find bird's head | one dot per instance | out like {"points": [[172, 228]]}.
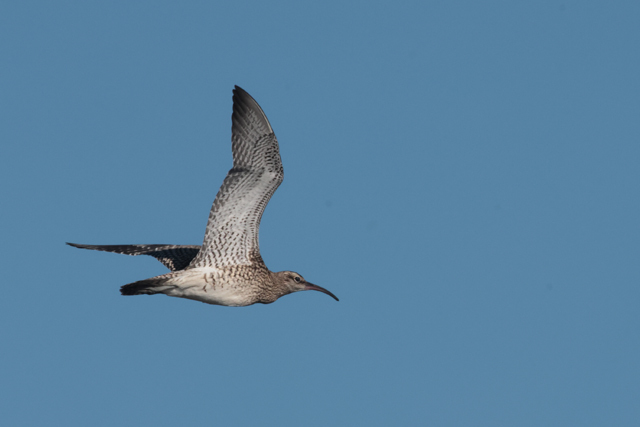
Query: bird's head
{"points": [[290, 281]]}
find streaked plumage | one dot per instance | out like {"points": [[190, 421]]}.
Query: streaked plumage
{"points": [[227, 269]]}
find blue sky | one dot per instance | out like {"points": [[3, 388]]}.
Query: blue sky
{"points": [[464, 176]]}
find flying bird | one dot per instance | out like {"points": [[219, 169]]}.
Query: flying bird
{"points": [[227, 269]]}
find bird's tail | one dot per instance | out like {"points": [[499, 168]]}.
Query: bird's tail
{"points": [[155, 285]]}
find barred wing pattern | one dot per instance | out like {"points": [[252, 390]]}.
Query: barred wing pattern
{"points": [[174, 257], [231, 237]]}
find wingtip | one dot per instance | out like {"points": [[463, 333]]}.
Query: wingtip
{"points": [[238, 92], [243, 102], [81, 246]]}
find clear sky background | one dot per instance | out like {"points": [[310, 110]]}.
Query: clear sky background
{"points": [[463, 175]]}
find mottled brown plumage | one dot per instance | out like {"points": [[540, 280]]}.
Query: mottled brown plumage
{"points": [[228, 269]]}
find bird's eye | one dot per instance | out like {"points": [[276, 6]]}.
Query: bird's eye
{"points": [[297, 279]]}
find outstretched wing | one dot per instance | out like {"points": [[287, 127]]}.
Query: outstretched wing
{"points": [[174, 257], [232, 231]]}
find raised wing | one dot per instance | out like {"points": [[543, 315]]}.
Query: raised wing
{"points": [[232, 231], [174, 257]]}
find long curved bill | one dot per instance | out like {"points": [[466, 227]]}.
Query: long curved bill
{"points": [[311, 287]]}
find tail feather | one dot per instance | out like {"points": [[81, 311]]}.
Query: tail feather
{"points": [[152, 286]]}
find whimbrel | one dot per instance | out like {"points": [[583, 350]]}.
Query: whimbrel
{"points": [[228, 269]]}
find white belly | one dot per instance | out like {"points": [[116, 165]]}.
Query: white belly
{"points": [[208, 285]]}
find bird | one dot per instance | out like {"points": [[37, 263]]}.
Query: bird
{"points": [[227, 269]]}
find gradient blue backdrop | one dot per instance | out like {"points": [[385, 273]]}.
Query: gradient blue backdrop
{"points": [[464, 175]]}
